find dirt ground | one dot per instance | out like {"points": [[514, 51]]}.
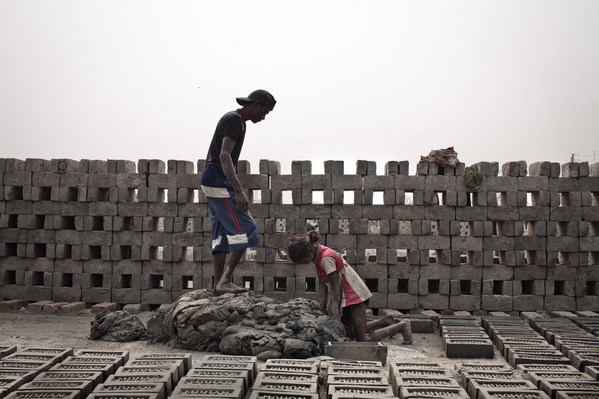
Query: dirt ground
{"points": [[28, 330]]}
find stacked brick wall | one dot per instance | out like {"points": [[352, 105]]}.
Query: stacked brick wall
{"points": [[126, 232]]}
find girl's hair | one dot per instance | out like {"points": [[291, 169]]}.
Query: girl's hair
{"points": [[299, 245]]}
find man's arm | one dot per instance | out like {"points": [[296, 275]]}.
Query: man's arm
{"points": [[226, 163]]}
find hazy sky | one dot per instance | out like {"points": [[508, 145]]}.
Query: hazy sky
{"points": [[354, 80]]}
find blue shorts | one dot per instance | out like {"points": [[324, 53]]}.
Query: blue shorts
{"points": [[232, 230]]}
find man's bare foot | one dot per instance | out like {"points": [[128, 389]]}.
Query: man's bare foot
{"points": [[228, 288]]}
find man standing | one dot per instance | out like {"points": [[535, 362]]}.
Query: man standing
{"points": [[233, 229]]}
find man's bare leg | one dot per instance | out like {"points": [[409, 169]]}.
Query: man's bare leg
{"points": [[225, 283], [219, 265]]}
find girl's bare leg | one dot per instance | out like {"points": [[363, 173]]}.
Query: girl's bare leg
{"points": [[358, 319], [381, 322]]}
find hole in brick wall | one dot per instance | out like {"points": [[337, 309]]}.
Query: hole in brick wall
{"points": [[348, 197], [464, 257], [280, 283], [531, 257], [310, 284], [465, 287], [496, 227], [287, 197], [527, 287], [95, 252], [535, 198], [466, 228], [562, 228], [39, 221], [317, 197], [45, 193], [66, 280], [132, 195], [374, 227], [434, 228], [281, 225], [187, 254], [370, 255], [103, 194], [558, 287], [402, 256], [126, 280], [342, 252], [409, 198], [125, 251], [37, 279], [591, 288], [594, 198], [561, 258], [248, 282], [564, 199], [72, 193], [13, 221], [594, 258], [439, 198], [372, 284], [158, 223], [528, 199], [432, 256], [97, 280], [188, 222], [98, 223], [156, 253], [68, 222], [496, 258], [440, 170], [15, 193], [433, 286], [68, 251], [39, 250], [251, 255], [195, 196], [10, 249], [255, 196], [281, 255], [164, 196], [311, 224], [469, 199], [501, 199], [402, 286], [187, 282], [156, 281], [529, 228], [497, 287], [10, 277], [343, 226], [378, 198], [127, 223]]}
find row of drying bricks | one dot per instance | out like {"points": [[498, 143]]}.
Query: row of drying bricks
{"points": [[40, 373]]}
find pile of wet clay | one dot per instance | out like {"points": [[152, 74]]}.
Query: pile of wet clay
{"points": [[245, 324]]}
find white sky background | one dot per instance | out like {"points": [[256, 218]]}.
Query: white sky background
{"points": [[354, 80]]}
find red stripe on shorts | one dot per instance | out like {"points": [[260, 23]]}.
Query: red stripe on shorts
{"points": [[233, 216]]}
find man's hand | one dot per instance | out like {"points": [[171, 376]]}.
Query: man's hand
{"points": [[242, 201]]}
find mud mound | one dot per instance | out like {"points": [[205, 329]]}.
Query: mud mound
{"points": [[245, 324]]}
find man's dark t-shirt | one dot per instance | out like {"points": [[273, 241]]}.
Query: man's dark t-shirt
{"points": [[230, 125]]}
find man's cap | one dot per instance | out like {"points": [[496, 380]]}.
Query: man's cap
{"points": [[261, 96]]}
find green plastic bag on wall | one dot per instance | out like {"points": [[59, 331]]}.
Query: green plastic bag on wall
{"points": [[473, 178]]}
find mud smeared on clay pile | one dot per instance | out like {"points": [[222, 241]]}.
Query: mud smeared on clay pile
{"points": [[117, 326], [245, 324]]}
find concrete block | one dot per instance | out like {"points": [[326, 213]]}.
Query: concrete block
{"points": [[357, 350], [432, 392], [469, 348], [45, 394]]}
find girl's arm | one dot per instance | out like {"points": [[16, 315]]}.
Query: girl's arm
{"points": [[323, 294], [333, 280]]}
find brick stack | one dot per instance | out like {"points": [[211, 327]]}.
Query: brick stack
{"points": [[116, 231]]}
